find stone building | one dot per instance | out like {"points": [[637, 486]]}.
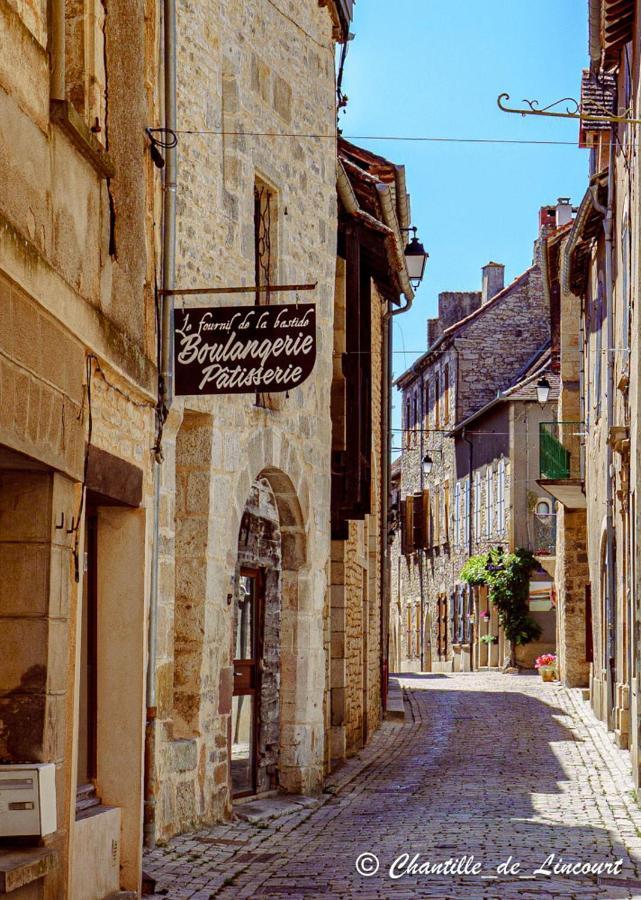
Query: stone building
{"points": [[371, 277], [459, 375], [272, 556], [595, 275], [498, 451], [77, 429]]}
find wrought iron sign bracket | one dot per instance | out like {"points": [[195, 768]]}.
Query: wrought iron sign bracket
{"points": [[570, 112], [263, 289]]}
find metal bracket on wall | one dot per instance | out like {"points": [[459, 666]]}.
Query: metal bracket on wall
{"points": [[573, 112], [263, 289]]}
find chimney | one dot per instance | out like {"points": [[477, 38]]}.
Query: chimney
{"points": [[434, 331], [563, 211], [493, 280], [547, 217]]}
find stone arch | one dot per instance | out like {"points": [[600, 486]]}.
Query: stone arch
{"points": [[302, 584]]}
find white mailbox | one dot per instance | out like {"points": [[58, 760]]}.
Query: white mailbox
{"points": [[27, 799]]}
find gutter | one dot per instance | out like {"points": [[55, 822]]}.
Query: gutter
{"points": [[594, 31]]}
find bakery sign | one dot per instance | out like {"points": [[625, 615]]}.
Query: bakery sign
{"points": [[243, 349]]}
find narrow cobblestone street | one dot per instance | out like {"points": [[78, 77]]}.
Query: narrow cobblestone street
{"points": [[486, 765]]}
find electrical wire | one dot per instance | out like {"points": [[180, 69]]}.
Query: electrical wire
{"points": [[372, 137]]}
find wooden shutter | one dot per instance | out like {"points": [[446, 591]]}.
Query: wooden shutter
{"points": [[436, 518], [446, 488], [408, 523], [419, 521], [403, 506]]}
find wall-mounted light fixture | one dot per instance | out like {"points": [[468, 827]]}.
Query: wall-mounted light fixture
{"points": [[543, 390], [416, 257]]}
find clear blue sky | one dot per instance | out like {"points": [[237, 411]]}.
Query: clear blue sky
{"points": [[428, 67]]}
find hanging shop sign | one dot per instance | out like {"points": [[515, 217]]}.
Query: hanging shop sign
{"points": [[243, 349]]}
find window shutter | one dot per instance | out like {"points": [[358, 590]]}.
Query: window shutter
{"points": [[409, 523], [403, 528], [435, 537], [419, 522]]}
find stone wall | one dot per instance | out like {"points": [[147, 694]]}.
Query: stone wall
{"points": [[356, 588], [244, 67], [77, 367]]}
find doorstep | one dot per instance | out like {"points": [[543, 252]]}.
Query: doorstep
{"points": [[257, 811], [20, 866]]}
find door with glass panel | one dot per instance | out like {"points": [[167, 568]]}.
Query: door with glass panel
{"points": [[248, 625]]}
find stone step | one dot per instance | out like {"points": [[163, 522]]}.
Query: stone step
{"points": [[257, 811], [395, 707]]}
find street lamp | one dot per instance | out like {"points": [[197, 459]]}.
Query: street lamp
{"points": [[542, 390], [415, 259], [427, 464]]}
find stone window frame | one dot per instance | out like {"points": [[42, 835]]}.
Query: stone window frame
{"points": [[86, 63], [500, 498], [489, 501], [446, 394], [467, 509], [457, 514], [477, 505]]}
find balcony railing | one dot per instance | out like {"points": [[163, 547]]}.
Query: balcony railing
{"points": [[560, 451]]}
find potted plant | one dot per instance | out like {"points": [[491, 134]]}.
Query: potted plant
{"points": [[546, 666], [488, 639], [485, 615]]}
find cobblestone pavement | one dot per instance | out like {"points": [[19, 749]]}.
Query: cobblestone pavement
{"points": [[488, 766]]}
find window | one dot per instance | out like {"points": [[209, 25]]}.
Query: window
{"points": [[489, 502], [446, 395], [264, 237], [265, 256], [467, 511], [446, 512], [457, 514], [543, 507], [477, 505], [500, 524], [598, 326], [408, 421], [415, 420], [85, 73], [437, 403]]}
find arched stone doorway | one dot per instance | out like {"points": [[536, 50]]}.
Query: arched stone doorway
{"points": [[269, 641]]}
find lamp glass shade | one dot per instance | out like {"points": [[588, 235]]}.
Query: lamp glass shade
{"points": [[428, 464], [542, 390], [415, 259]]}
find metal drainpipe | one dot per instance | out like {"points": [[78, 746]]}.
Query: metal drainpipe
{"points": [[387, 445], [386, 381], [610, 604], [165, 398], [421, 556]]}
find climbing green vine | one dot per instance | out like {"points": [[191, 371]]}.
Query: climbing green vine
{"points": [[507, 577]]}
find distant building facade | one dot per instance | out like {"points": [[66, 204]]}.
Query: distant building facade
{"points": [[466, 486]]}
